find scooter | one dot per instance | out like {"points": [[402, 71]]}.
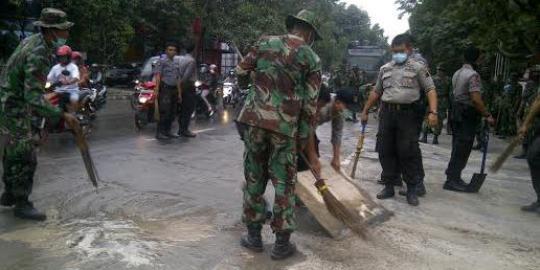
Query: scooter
{"points": [[143, 103]]}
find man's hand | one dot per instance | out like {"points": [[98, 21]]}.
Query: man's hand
{"points": [[71, 121], [490, 120], [433, 120], [364, 117], [336, 164]]}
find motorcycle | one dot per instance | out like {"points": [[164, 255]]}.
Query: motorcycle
{"points": [[43, 126], [143, 103], [97, 95], [229, 94]]}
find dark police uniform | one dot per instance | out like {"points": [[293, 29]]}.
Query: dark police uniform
{"points": [[169, 69], [465, 119], [400, 88]]}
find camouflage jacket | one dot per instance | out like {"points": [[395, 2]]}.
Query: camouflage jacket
{"points": [[286, 76], [22, 85], [442, 85]]}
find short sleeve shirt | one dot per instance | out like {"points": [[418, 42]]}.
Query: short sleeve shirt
{"points": [[68, 72], [169, 69], [401, 84], [464, 82]]}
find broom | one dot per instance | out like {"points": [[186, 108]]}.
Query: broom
{"points": [[334, 206]]}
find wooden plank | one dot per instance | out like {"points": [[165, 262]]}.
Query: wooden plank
{"points": [[342, 187]]}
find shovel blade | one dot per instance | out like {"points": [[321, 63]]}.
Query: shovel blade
{"points": [[476, 182]]}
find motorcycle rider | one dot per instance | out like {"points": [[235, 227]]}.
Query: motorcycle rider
{"points": [[84, 73], [22, 84], [65, 77], [207, 76]]}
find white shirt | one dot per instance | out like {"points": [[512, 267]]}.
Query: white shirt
{"points": [[55, 75]]}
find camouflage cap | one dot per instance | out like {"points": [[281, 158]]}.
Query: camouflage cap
{"points": [[53, 18], [305, 16]]}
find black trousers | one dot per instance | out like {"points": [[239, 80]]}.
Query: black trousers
{"points": [[399, 152], [168, 106], [187, 107], [465, 122], [533, 158]]}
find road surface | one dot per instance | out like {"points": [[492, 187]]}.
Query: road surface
{"points": [[177, 205]]}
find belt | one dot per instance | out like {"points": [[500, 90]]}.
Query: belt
{"points": [[398, 107]]}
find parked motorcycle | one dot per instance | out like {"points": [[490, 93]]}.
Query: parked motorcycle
{"points": [[143, 103]]}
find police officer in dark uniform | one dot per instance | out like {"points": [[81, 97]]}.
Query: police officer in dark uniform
{"points": [[467, 111], [399, 86], [167, 74]]}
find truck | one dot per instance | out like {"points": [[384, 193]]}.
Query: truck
{"points": [[367, 58]]}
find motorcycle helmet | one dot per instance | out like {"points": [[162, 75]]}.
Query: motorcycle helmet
{"points": [[76, 56], [64, 51], [63, 54]]}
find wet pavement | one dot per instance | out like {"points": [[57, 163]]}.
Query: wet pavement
{"points": [[176, 205]]}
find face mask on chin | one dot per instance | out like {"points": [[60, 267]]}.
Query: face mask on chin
{"points": [[58, 41]]}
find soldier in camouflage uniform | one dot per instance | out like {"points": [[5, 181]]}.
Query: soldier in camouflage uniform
{"points": [[355, 80], [442, 84], [529, 95], [279, 115], [21, 95], [531, 129]]}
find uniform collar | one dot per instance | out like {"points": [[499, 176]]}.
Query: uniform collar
{"points": [[468, 66]]}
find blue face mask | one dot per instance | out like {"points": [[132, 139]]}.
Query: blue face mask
{"points": [[58, 41], [399, 58]]}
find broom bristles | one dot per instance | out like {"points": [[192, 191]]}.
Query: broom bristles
{"points": [[341, 212]]}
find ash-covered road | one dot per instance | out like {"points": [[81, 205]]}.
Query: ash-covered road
{"points": [[176, 205]]}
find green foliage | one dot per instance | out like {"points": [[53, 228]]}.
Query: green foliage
{"points": [[111, 30], [442, 28]]}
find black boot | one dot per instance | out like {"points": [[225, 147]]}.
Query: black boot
{"points": [[283, 248], [25, 210], [533, 207], [253, 239], [387, 192], [424, 138], [161, 136], [412, 197], [420, 190], [455, 185], [7, 199], [435, 139]]}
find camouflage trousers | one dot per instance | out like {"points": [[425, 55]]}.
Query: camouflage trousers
{"points": [[19, 164], [269, 155], [426, 129]]}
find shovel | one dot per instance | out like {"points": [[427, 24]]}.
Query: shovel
{"points": [[478, 178], [359, 147]]}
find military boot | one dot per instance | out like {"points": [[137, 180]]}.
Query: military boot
{"points": [[253, 239], [435, 139], [7, 199], [412, 197], [387, 192], [424, 138], [283, 248], [25, 210], [533, 207]]}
